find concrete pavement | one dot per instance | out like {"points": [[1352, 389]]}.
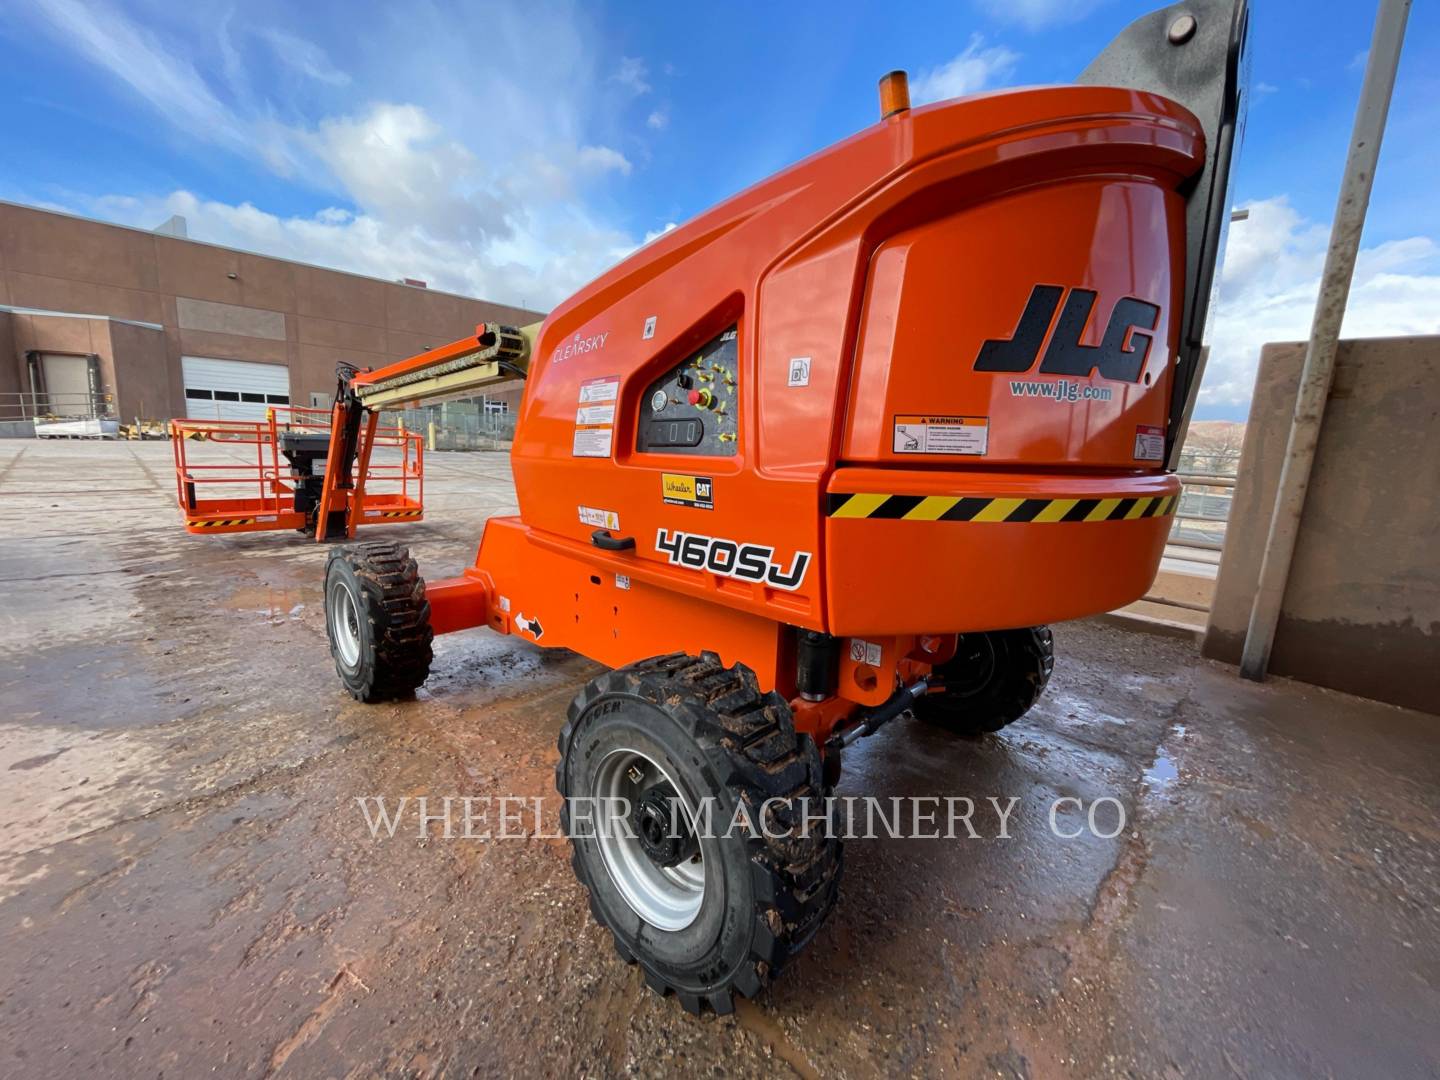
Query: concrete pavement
{"points": [[187, 885]]}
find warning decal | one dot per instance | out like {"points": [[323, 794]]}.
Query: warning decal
{"points": [[1149, 443], [595, 417], [599, 519], [592, 442], [605, 388], [865, 652], [941, 434]]}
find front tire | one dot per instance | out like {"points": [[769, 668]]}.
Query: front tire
{"points": [[377, 620], [994, 679], [705, 909]]}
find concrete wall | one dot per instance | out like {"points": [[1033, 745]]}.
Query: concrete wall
{"points": [[218, 302], [1362, 608]]}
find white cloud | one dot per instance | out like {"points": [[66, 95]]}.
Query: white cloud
{"points": [[1271, 278], [599, 159], [535, 266], [1039, 14], [632, 75], [655, 234], [397, 164], [138, 58], [231, 65], [658, 120], [305, 57], [480, 190], [973, 70]]}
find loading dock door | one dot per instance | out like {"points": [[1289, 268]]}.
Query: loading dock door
{"points": [[232, 389], [67, 385]]}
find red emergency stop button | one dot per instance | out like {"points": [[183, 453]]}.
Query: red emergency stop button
{"points": [[702, 399]]}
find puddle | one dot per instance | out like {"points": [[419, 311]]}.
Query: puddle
{"points": [[476, 668], [1161, 773], [272, 605], [261, 597], [1084, 713]]}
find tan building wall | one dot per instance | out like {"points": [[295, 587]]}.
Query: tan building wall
{"points": [[131, 358], [9, 373], [507, 392], [1362, 607], [140, 366], [208, 301]]}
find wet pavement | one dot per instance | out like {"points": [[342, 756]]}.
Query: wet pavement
{"points": [[187, 885]]}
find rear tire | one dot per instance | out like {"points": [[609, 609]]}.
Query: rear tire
{"points": [[725, 912], [994, 679], [377, 620]]}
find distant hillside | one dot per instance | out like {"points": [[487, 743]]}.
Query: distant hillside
{"points": [[1213, 446]]}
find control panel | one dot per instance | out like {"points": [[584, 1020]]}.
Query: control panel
{"points": [[694, 408]]}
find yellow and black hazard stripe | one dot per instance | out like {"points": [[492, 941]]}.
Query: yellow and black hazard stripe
{"points": [[222, 522], [969, 508], [399, 513]]}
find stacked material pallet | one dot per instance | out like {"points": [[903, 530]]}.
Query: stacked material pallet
{"points": [[69, 428]]}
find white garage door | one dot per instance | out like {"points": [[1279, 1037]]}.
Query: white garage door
{"points": [[232, 389]]}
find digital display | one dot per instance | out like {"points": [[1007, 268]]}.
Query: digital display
{"points": [[666, 433]]}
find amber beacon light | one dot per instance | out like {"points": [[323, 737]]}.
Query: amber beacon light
{"points": [[894, 93]]}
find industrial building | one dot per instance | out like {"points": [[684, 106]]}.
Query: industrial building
{"points": [[137, 324]]}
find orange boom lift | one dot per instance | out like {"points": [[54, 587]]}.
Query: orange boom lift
{"points": [[326, 485], [834, 451]]}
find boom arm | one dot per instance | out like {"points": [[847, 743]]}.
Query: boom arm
{"points": [[493, 353]]}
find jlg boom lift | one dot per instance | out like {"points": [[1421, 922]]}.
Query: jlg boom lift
{"points": [[835, 450], [326, 486]]}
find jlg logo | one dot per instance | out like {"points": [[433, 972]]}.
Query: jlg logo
{"points": [[1120, 356], [748, 562]]}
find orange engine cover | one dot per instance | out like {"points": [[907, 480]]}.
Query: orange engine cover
{"points": [[916, 383]]}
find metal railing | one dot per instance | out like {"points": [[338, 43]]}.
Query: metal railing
{"points": [[1203, 511], [1207, 476], [24, 405], [238, 465]]}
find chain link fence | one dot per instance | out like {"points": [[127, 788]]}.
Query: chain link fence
{"points": [[456, 425]]}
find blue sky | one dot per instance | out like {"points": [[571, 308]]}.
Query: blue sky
{"points": [[514, 150]]}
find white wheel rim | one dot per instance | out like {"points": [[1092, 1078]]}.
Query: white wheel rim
{"points": [[668, 898], [345, 624]]}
